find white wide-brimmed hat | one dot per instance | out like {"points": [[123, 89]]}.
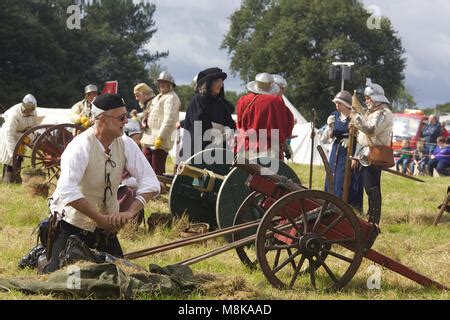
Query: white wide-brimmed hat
{"points": [[263, 84]]}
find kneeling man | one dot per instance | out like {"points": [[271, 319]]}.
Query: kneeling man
{"points": [[92, 165]]}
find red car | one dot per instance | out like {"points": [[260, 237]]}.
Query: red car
{"points": [[407, 125]]}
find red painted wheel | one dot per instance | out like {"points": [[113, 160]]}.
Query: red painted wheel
{"points": [[22, 150], [48, 148], [318, 242]]}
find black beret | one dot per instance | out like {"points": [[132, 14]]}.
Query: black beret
{"points": [[108, 101], [210, 74]]}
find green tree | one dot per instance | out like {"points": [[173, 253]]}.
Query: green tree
{"points": [[42, 56], [120, 31], [404, 100], [299, 39], [185, 93]]}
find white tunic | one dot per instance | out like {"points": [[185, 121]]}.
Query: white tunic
{"points": [[75, 162], [162, 118], [15, 125]]}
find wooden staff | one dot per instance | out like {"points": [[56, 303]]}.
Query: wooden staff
{"points": [[348, 162], [352, 131], [313, 134]]}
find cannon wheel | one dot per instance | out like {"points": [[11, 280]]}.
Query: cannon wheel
{"points": [[185, 199], [234, 191], [48, 148], [313, 226], [250, 210], [34, 133]]}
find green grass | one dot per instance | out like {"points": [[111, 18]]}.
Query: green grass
{"points": [[408, 236]]}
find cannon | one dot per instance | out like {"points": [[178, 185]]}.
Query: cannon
{"points": [[300, 238], [208, 189], [47, 143]]}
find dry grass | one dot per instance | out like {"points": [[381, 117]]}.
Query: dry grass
{"points": [[408, 236]]}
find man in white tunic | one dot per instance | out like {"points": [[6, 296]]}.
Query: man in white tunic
{"points": [[85, 199], [19, 119], [163, 115]]}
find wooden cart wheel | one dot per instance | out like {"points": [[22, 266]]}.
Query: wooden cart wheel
{"points": [[48, 148], [27, 139], [250, 210], [314, 227]]}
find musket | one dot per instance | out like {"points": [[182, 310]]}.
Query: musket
{"points": [[396, 172]]}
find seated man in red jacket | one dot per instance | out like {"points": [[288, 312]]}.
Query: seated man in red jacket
{"points": [[263, 120]]}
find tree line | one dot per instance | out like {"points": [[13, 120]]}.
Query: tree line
{"points": [[298, 39], [40, 55]]}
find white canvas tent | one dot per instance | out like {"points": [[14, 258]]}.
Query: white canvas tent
{"points": [[301, 145]]}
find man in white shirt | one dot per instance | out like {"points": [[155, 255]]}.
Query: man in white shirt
{"points": [[85, 199], [20, 118]]}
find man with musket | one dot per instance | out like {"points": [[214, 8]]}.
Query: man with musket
{"points": [[19, 119], [375, 129], [85, 199], [81, 111]]}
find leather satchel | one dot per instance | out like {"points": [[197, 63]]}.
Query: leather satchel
{"points": [[381, 156]]}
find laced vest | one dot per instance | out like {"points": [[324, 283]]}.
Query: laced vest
{"points": [[100, 182]]}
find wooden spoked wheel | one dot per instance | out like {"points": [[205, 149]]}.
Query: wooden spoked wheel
{"points": [[48, 148], [318, 242], [22, 150], [250, 210]]}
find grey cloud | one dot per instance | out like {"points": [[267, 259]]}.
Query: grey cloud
{"points": [[193, 30]]}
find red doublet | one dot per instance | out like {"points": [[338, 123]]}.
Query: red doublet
{"points": [[266, 112]]}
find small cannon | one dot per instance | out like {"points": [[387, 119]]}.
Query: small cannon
{"points": [[208, 189], [300, 237]]}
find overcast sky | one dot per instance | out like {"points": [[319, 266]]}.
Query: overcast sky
{"points": [[192, 31]]}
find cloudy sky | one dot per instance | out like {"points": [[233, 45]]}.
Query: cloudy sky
{"points": [[192, 31]]}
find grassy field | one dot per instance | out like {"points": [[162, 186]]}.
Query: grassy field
{"points": [[408, 236]]}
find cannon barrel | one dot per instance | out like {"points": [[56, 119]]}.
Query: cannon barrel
{"points": [[187, 170], [256, 169]]}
